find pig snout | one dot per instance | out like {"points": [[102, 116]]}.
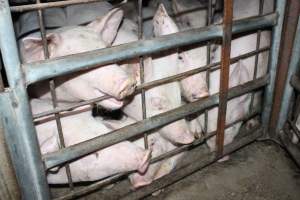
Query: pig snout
{"points": [[111, 104], [178, 133], [194, 88], [126, 88]]}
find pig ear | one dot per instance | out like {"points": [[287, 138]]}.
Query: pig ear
{"points": [[239, 75], [162, 22], [33, 46], [108, 25], [31, 42]]}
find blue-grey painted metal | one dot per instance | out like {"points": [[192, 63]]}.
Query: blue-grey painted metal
{"points": [[53, 67], [288, 90], [17, 118], [273, 62]]}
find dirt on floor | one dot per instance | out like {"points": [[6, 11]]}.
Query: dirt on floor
{"points": [[260, 171]]}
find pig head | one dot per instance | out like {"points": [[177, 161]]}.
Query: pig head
{"points": [[162, 98], [109, 79]]}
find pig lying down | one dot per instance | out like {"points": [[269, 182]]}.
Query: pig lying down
{"points": [[110, 79], [159, 146], [122, 157]]}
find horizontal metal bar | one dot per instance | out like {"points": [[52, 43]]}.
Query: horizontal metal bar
{"points": [[148, 85], [75, 151], [112, 179], [42, 70], [295, 82], [38, 6], [198, 162]]}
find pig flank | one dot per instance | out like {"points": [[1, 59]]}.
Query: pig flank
{"points": [[122, 157], [110, 79]]}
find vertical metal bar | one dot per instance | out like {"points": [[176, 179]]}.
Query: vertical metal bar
{"points": [[53, 93], [20, 132], [288, 90], [8, 183], [273, 62], [283, 91], [224, 75], [208, 61], [260, 12], [141, 60]]}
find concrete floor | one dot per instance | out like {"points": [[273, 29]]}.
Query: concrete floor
{"points": [[260, 171]]}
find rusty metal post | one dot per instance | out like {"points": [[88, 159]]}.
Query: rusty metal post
{"points": [[290, 26], [224, 75]]}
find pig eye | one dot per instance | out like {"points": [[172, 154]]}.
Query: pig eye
{"points": [[180, 57]]}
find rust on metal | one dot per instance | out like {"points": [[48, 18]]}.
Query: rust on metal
{"points": [[224, 75], [289, 31]]}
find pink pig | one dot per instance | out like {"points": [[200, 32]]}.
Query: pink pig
{"points": [[162, 98], [159, 146], [122, 157], [110, 79]]}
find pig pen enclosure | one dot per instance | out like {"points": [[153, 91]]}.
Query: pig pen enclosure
{"points": [[164, 79]]}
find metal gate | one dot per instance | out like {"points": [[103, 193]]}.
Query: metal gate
{"points": [[17, 118]]}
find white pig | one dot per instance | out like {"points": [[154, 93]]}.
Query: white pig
{"points": [[237, 107], [159, 146], [122, 157], [162, 98], [189, 12], [239, 46], [110, 79]]}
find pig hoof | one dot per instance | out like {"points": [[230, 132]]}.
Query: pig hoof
{"points": [[156, 193], [225, 158], [127, 88], [251, 124], [145, 162], [198, 135], [196, 131]]}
